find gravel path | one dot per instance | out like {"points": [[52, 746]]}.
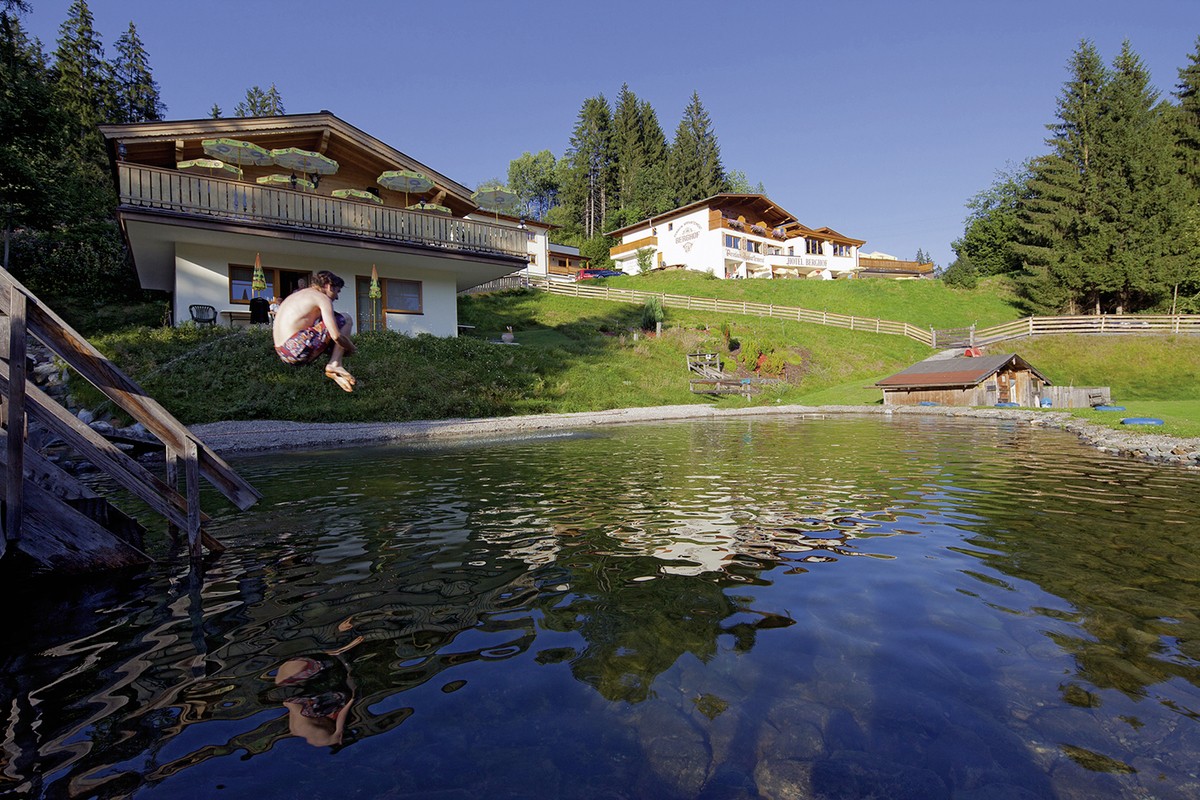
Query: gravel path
{"points": [[256, 436]]}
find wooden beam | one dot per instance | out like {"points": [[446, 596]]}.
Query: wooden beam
{"points": [[191, 470], [132, 398], [172, 475], [15, 446]]}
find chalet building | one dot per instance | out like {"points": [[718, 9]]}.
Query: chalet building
{"points": [[882, 265], [967, 381], [737, 236], [195, 230]]}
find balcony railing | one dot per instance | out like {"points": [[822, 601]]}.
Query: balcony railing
{"points": [[169, 190]]}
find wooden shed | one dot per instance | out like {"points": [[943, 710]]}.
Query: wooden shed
{"points": [[966, 381]]}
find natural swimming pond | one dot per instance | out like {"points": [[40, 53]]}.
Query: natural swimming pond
{"points": [[741, 608]]}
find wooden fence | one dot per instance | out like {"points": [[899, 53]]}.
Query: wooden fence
{"points": [[957, 337]]}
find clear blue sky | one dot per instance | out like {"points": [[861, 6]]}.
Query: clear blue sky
{"points": [[879, 118]]}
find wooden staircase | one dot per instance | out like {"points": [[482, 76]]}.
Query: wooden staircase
{"points": [[51, 518]]}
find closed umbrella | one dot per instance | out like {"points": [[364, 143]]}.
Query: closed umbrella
{"points": [[258, 281], [374, 293], [211, 166]]}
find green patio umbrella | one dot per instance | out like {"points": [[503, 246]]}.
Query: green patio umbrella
{"points": [[244, 154], [304, 161], [208, 165], [405, 180], [355, 194], [429, 207], [288, 181], [495, 199]]}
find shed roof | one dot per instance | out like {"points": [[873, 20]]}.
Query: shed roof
{"points": [[958, 371]]}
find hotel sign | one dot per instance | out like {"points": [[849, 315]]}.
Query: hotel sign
{"points": [[687, 235], [816, 262]]}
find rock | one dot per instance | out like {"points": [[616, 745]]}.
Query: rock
{"points": [[85, 416]]}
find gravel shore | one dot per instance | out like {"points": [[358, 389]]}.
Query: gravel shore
{"points": [[258, 436]]}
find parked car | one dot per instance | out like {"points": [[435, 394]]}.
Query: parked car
{"points": [[587, 274]]}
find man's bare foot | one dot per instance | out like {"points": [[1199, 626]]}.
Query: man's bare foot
{"points": [[342, 378]]}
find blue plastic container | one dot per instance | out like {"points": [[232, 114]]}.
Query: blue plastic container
{"points": [[1141, 421]]}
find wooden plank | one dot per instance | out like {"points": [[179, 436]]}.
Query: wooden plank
{"points": [[15, 446], [92, 365], [50, 476], [172, 473]]}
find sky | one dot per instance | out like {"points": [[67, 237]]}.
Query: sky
{"points": [[878, 118]]}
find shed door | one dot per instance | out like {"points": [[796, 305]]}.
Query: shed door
{"points": [[1004, 385]]}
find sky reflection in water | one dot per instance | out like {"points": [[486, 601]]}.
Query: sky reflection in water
{"points": [[738, 608]]}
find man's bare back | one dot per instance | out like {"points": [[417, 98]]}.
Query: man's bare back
{"points": [[306, 325]]}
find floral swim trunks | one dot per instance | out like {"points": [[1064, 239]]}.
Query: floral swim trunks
{"points": [[304, 346]]}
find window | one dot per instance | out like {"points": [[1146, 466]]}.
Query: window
{"points": [[280, 282], [670, 226], [813, 247], [774, 250], [841, 249], [733, 242], [753, 246], [399, 297], [533, 259], [240, 290]]}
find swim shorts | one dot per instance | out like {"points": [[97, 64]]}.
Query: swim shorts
{"points": [[304, 346]]}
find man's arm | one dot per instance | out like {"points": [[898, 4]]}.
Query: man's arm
{"points": [[335, 332]]}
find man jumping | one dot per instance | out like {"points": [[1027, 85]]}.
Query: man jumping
{"points": [[306, 325]]}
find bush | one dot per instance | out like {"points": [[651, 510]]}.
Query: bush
{"points": [[652, 314], [960, 274]]}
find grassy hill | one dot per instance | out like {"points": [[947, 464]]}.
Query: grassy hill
{"points": [[575, 354]]}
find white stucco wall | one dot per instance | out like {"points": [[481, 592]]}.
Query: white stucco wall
{"points": [[202, 276]]}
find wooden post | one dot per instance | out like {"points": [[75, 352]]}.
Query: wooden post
{"points": [[16, 416], [191, 462], [171, 457]]}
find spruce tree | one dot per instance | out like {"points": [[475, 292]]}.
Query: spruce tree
{"points": [[85, 86], [695, 169], [260, 102], [1187, 119], [137, 92], [589, 160], [650, 192], [629, 152]]}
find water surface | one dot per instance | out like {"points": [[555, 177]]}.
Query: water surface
{"points": [[849, 607]]}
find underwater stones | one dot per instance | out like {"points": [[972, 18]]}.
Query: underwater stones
{"points": [[676, 756], [783, 777], [852, 774]]}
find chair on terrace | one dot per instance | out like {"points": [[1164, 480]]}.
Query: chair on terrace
{"points": [[203, 315]]}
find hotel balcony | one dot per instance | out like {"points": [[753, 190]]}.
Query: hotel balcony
{"points": [[186, 196]]}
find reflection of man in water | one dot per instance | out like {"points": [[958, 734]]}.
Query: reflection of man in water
{"points": [[317, 694]]}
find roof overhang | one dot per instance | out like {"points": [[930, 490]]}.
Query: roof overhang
{"points": [[959, 372]]}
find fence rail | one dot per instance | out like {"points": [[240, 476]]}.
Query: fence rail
{"points": [[1029, 326]]}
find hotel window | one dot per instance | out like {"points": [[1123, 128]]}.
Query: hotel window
{"points": [[841, 249], [774, 250], [753, 246], [791, 251], [733, 242], [813, 247], [670, 226], [240, 290], [533, 259]]}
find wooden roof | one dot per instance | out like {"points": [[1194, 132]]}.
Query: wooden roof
{"points": [[958, 371], [162, 144], [894, 265]]}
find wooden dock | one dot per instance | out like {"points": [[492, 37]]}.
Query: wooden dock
{"points": [[52, 519]]}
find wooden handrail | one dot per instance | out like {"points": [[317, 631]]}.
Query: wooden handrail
{"points": [[26, 315]]}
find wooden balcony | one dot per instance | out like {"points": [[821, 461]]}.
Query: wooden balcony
{"points": [[168, 190]]}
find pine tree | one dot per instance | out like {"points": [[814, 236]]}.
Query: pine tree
{"points": [[1187, 119], [260, 103], [1137, 182], [85, 86], [215, 112], [629, 153], [137, 92], [589, 163], [695, 169]]}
